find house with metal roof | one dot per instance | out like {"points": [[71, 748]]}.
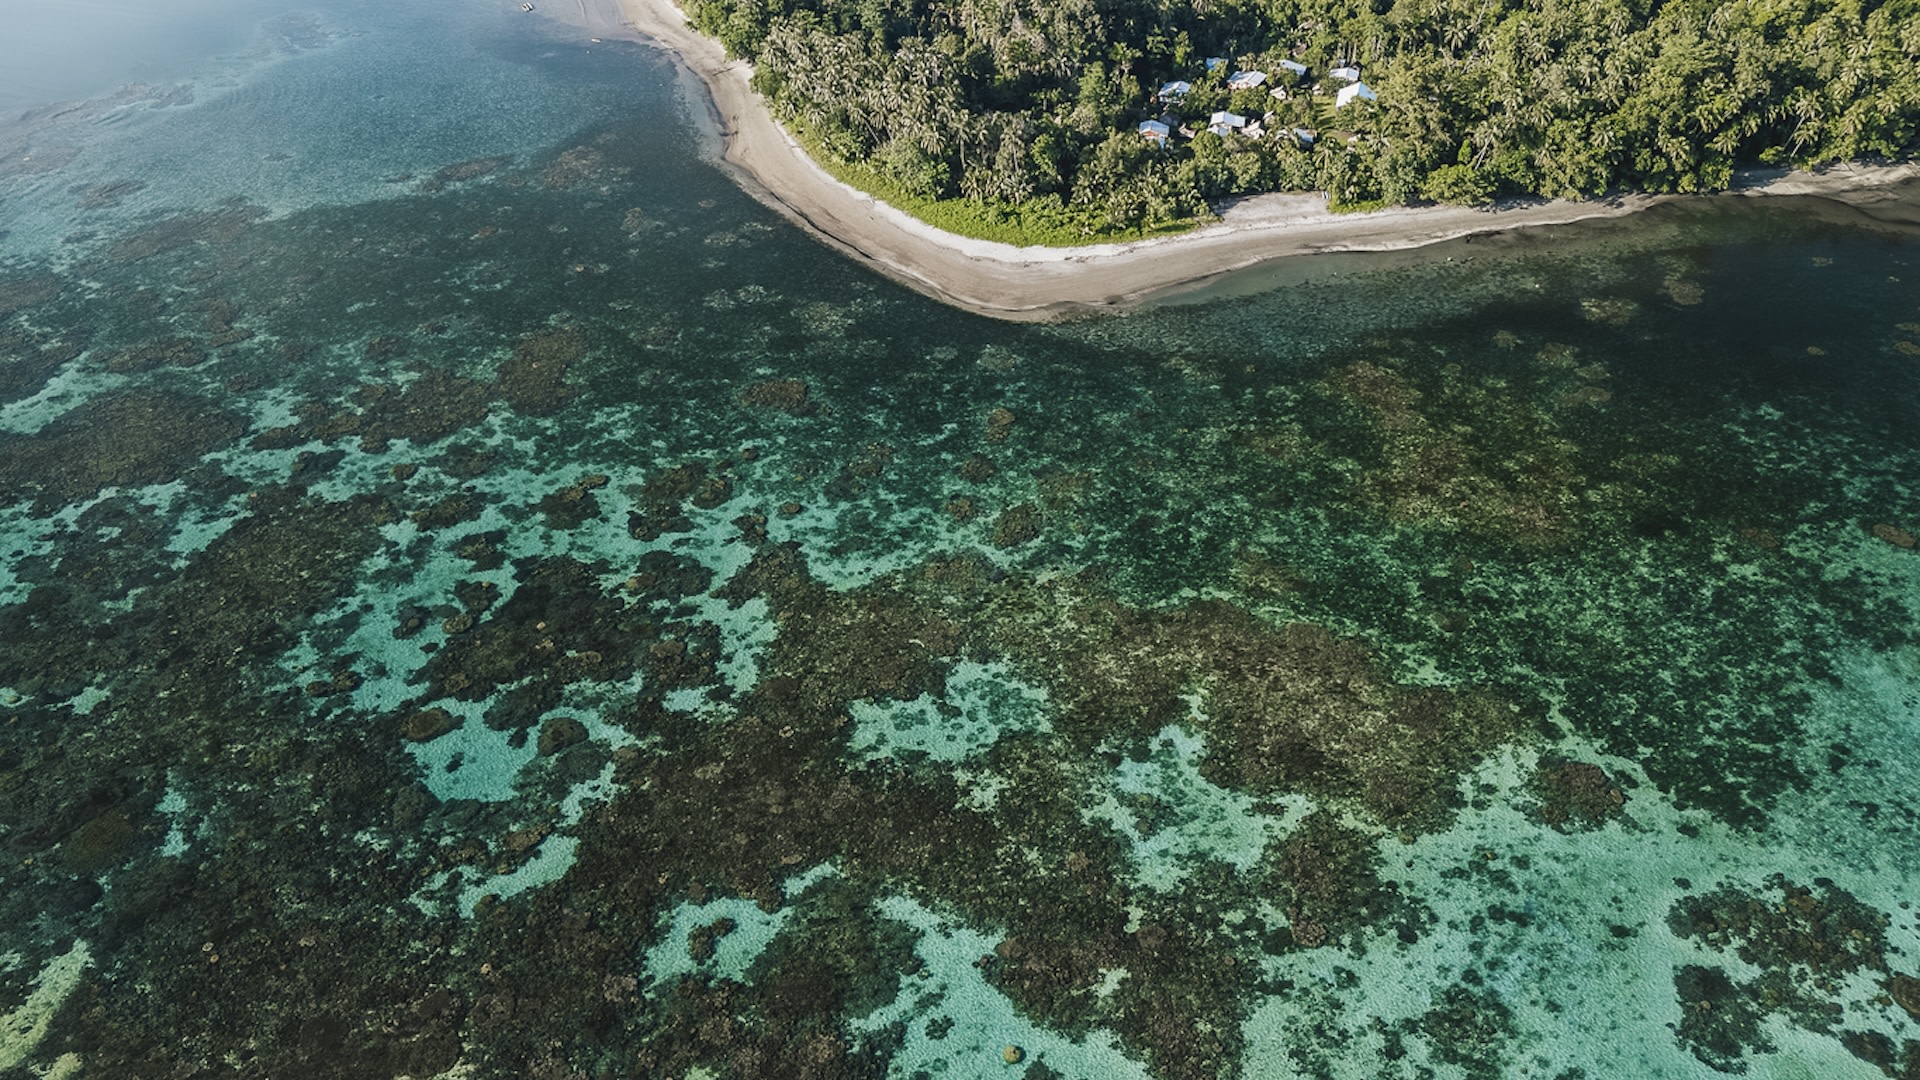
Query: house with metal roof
{"points": [[1358, 91], [1225, 123]]}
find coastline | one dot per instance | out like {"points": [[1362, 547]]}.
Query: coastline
{"points": [[1032, 284]]}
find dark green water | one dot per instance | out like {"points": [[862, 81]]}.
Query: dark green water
{"points": [[480, 596]]}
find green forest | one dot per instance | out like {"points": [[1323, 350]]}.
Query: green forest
{"points": [[1027, 112]]}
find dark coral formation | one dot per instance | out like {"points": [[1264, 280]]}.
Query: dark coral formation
{"points": [[1470, 1029], [1576, 794], [210, 227], [737, 808], [1510, 475], [1288, 708], [585, 164], [534, 379], [106, 195], [462, 171], [31, 359], [1806, 943], [840, 959], [1016, 525], [21, 291], [433, 405], [181, 670], [1895, 535], [573, 505], [1324, 875], [558, 627], [125, 439], [175, 352], [779, 395]]}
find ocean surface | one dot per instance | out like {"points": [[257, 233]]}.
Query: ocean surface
{"points": [[481, 596]]}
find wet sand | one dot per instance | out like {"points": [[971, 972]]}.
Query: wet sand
{"points": [[1037, 283]]}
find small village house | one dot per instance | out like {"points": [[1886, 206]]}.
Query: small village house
{"points": [[1349, 94], [1225, 123]]}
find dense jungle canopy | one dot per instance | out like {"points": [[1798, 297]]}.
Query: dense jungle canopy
{"points": [[1036, 103]]}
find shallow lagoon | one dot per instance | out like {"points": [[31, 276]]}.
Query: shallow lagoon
{"points": [[479, 595]]}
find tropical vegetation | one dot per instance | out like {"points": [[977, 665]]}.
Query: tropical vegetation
{"points": [[1029, 110]]}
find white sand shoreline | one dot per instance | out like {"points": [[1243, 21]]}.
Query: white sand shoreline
{"points": [[1038, 283]]}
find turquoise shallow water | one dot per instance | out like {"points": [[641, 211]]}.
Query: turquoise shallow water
{"points": [[481, 596]]}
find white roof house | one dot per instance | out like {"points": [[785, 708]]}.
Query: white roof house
{"points": [[1175, 90], [1154, 129], [1246, 80], [1293, 67], [1303, 136], [1356, 92], [1225, 123], [1215, 63], [1349, 73]]}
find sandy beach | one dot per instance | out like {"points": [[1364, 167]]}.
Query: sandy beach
{"points": [[1037, 283]]}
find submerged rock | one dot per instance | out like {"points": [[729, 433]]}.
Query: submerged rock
{"points": [[1016, 525], [534, 378], [1895, 535], [1803, 944], [779, 395], [558, 733], [462, 171], [1479, 457], [1575, 794], [426, 725], [125, 439], [21, 291]]}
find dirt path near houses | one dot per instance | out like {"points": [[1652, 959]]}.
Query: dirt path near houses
{"points": [[1037, 283]]}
